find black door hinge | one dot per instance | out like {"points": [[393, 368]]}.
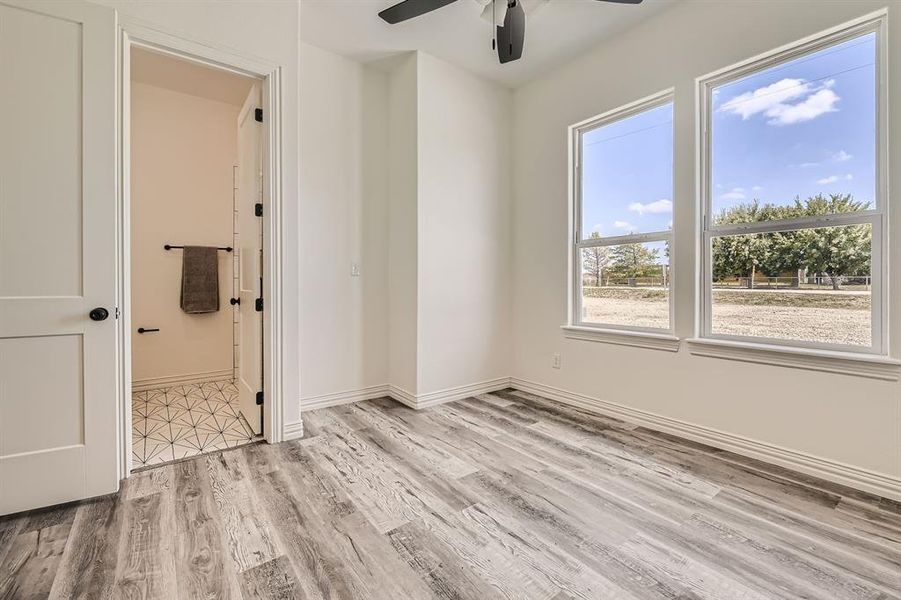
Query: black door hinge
{"points": [[258, 209], [260, 398], [258, 115], [258, 305]]}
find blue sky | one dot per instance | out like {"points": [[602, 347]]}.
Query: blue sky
{"points": [[798, 129]]}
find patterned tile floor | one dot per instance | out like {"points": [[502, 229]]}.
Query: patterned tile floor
{"points": [[186, 420]]}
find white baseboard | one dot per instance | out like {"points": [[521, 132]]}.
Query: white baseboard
{"points": [[338, 398], [873, 482], [403, 396], [292, 431], [419, 401], [173, 380]]}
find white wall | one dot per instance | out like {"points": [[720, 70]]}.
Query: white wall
{"points": [[403, 117], [846, 419], [267, 29], [183, 151], [404, 170], [464, 227], [343, 220]]}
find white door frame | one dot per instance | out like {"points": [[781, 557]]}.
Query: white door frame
{"points": [[134, 33]]}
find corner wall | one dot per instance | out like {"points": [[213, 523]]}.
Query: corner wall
{"points": [[404, 171], [403, 136], [845, 420], [464, 228], [343, 221]]}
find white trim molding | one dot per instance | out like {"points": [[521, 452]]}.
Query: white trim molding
{"points": [[173, 380], [623, 337], [414, 401], [419, 401], [348, 397], [292, 430], [881, 484], [827, 361]]}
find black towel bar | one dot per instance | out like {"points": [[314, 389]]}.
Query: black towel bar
{"points": [[144, 330], [172, 247]]}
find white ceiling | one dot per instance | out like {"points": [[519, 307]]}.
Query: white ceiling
{"points": [[187, 77], [555, 33]]}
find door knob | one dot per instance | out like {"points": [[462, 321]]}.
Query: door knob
{"points": [[99, 314]]}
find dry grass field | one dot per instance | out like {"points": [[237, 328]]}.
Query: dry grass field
{"points": [[841, 317]]}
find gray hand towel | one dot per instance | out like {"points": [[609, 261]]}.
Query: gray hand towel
{"points": [[200, 280]]}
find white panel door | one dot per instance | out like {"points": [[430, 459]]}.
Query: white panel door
{"points": [[250, 260], [58, 413]]}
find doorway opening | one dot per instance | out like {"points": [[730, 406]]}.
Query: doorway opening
{"points": [[196, 182]]}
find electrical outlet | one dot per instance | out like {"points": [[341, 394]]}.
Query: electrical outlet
{"points": [[354, 270], [556, 361]]}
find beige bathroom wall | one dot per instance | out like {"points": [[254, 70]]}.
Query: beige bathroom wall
{"points": [[183, 149]]}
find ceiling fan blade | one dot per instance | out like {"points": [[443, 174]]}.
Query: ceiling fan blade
{"points": [[511, 37], [622, 1], [409, 9]]}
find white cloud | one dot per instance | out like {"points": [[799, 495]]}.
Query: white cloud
{"points": [[734, 194], [841, 156], [820, 103], [757, 188], [834, 178], [785, 102], [763, 99], [624, 225], [663, 205]]}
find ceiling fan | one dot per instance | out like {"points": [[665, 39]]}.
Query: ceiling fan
{"points": [[508, 17]]}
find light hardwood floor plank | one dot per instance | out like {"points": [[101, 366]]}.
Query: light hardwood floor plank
{"points": [[145, 565], [203, 567], [504, 495]]}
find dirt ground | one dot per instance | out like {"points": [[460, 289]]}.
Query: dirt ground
{"points": [[828, 323]]}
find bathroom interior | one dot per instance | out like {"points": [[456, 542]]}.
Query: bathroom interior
{"points": [[195, 138]]}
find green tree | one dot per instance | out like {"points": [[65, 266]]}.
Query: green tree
{"points": [[830, 251], [634, 260], [595, 260], [837, 251]]}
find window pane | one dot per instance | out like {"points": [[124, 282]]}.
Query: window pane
{"points": [[812, 285], [797, 139], [627, 175], [626, 285]]}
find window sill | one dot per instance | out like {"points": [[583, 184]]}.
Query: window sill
{"points": [[827, 361], [640, 339]]}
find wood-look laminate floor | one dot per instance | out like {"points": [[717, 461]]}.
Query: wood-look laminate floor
{"points": [[502, 496]]}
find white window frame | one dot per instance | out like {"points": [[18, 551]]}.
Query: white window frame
{"points": [[660, 338], [877, 218]]}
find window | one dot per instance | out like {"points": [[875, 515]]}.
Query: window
{"points": [[793, 194], [623, 217]]}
